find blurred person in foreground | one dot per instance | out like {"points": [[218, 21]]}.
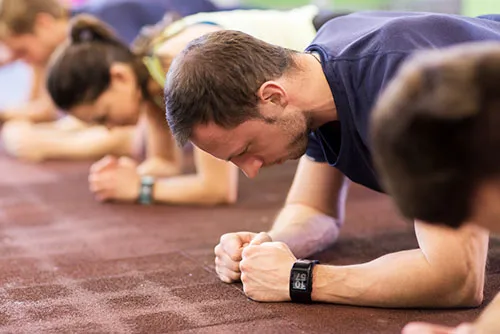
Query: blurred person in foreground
{"points": [[435, 144]]}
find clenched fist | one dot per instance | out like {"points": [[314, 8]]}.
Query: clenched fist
{"points": [[265, 271], [228, 253]]}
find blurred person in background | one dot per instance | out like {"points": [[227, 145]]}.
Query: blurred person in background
{"points": [[30, 31]]}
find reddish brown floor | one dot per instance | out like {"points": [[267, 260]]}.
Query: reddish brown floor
{"points": [[69, 264]]}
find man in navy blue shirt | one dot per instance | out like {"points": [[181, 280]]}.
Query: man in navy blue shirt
{"points": [[256, 105]]}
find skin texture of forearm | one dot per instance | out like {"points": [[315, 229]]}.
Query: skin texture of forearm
{"points": [[193, 189], [305, 230], [65, 139], [93, 142], [36, 111], [215, 182], [446, 274]]}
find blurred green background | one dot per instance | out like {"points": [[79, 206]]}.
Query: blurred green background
{"points": [[478, 7], [334, 4], [466, 7]]}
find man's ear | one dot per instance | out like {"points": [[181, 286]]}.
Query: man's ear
{"points": [[121, 73], [273, 92]]}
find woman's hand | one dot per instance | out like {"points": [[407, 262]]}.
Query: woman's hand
{"points": [[115, 179]]}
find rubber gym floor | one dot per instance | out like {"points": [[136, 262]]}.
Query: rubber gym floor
{"points": [[70, 264]]}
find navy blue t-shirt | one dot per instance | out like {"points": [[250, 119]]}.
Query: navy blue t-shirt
{"points": [[360, 53], [127, 17]]}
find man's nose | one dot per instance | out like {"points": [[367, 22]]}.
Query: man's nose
{"points": [[250, 166]]}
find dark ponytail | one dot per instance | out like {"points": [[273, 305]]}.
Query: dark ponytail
{"points": [[86, 28], [80, 70]]}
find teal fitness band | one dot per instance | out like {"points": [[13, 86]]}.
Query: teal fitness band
{"points": [[146, 191]]}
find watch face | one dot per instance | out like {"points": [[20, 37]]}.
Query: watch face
{"points": [[299, 280]]}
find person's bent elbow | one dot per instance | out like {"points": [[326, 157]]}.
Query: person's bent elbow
{"points": [[464, 286], [213, 195], [470, 291]]}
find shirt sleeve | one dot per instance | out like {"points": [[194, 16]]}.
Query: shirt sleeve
{"points": [[314, 149]]}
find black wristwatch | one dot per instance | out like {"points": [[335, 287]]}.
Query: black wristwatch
{"points": [[146, 191], [301, 277]]}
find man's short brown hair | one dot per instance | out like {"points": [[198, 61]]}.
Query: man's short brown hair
{"points": [[18, 16], [436, 131], [216, 79]]}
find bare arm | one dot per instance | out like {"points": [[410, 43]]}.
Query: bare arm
{"points": [[163, 157], [314, 209], [216, 182], [36, 142], [160, 142], [91, 143], [447, 269]]}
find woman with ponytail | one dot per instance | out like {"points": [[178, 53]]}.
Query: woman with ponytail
{"points": [[101, 81]]}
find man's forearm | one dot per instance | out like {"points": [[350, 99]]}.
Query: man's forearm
{"points": [[403, 279], [305, 230]]}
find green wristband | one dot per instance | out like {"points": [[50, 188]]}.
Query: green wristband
{"points": [[146, 191]]}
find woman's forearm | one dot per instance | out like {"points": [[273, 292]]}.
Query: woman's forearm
{"points": [[191, 189]]}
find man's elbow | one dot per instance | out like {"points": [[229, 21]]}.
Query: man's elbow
{"points": [[470, 292], [473, 286], [475, 299], [465, 288], [459, 266]]}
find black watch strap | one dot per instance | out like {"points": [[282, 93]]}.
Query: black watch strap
{"points": [[301, 277]]}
